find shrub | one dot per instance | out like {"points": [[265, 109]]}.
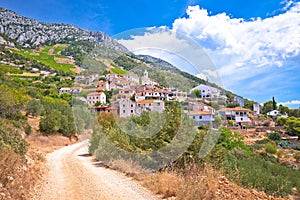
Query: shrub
{"points": [[270, 148], [263, 141], [28, 129], [274, 136], [297, 157]]}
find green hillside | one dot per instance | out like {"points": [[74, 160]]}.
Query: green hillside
{"points": [[44, 56]]}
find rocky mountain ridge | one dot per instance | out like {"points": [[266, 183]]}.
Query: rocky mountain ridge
{"points": [[30, 33]]}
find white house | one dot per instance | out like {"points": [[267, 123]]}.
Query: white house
{"points": [[64, 90], [276, 113], [237, 114], [74, 90], [153, 94], [208, 91], [95, 97], [201, 118]]}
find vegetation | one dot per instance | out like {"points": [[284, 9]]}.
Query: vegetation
{"points": [[274, 136], [47, 59], [271, 148], [292, 125], [229, 155], [118, 70], [58, 118]]}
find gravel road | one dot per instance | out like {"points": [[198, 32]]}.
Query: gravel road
{"points": [[72, 174]]}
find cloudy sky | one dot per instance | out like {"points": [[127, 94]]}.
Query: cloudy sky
{"points": [[249, 47]]}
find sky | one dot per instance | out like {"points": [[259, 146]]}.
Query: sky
{"points": [[250, 47]]}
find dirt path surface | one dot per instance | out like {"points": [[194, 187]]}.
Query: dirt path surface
{"points": [[73, 175]]}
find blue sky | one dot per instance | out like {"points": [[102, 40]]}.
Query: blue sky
{"points": [[254, 45]]}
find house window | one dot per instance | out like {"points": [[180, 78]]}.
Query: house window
{"points": [[149, 104], [131, 105], [123, 105], [237, 113], [193, 117], [158, 104], [241, 119], [200, 117], [123, 111], [131, 111]]}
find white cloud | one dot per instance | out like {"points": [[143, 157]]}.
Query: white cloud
{"points": [[244, 49], [246, 53], [175, 48], [290, 103], [293, 103], [258, 42]]}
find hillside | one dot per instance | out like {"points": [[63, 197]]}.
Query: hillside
{"points": [[38, 59]]}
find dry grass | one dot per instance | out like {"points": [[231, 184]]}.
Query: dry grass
{"points": [[164, 184], [17, 176], [193, 183], [128, 167]]}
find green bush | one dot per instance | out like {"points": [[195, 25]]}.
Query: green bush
{"points": [[274, 136], [270, 148], [28, 129], [263, 141], [11, 139]]}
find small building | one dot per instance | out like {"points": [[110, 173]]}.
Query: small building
{"points": [[126, 107], [101, 84], [146, 80], [64, 90], [150, 105], [104, 109], [74, 90], [238, 114], [126, 93], [201, 118], [207, 91], [178, 95], [96, 97], [256, 109], [239, 100]]}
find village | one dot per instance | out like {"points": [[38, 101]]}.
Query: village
{"points": [[131, 95]]}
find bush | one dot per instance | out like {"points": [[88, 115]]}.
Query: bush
{"points": [[263, 141], [274, 136], [28, 129], [270, 148], [11, 139], [297, 157]]}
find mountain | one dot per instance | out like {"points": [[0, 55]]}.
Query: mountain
{"points": [[92, 51], [28, 32]]}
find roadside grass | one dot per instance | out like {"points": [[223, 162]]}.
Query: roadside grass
{"points": [[44, 57], [118, 70]]}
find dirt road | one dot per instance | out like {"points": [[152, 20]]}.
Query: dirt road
{"points": [[73, 175]]}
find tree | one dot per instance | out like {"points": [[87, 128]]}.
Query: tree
{"points": [[267, 107], [34, 108], [196, 93], [51, 123], [293, 126], [274, 104], [283, 109]]}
